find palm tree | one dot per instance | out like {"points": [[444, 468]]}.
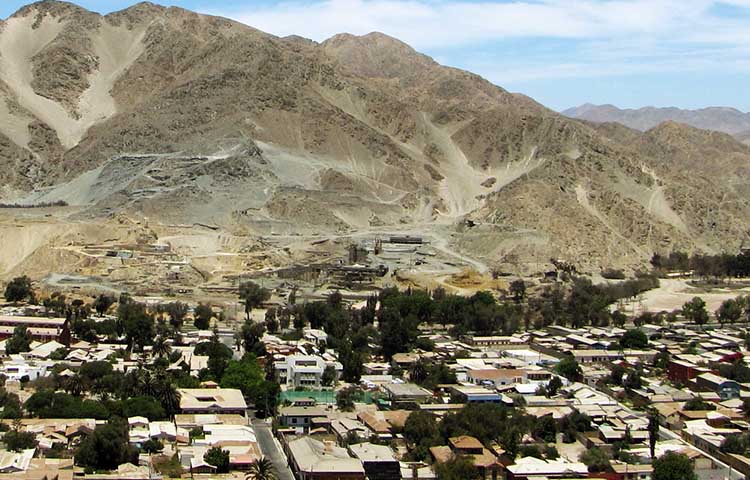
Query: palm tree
{"points": [[75, 385], [169, 397], [262, 469], [161, 348]]}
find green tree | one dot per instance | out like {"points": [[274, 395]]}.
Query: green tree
{"points": [[148, 407], [177, 312], [730, 311], [546, 429], [632, 380], [619, 318], [245, 375], [518, 290], [218, 458], [736, 444], [106, 448], [253, 295], [251, 335], [202, 316], [653, 431], [261, 469], [568, 367], [596, 459], [161, 348], [152, 446], [421, 432], [634, 338], [510, 439], [695, 311], [16, 440], [102, 303], [553, 386], [329, 376], [673, 466], [19, 342], [698, 404], [345, 398], [19, 289], [457, 468], [136, 324], [272, 324]]}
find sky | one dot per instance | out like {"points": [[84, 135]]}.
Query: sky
{"points": [[563, 53]]}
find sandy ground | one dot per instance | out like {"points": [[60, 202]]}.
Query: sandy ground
{"points": [[116, 47], [673, 294]]}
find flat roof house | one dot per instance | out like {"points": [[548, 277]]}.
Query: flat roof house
{"points": [[304, 371], [43, 329], [378, 460], [212, 400], [406, 393], [312, 459]]}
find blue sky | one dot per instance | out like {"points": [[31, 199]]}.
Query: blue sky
{"points": [[632, 53]]}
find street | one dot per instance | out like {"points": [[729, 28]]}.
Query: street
{"points": [[271, 449]]}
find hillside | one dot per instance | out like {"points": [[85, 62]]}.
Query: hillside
{"points": [[181, 118], [721, 119]]}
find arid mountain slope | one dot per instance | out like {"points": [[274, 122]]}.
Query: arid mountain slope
{"points": [[185, 118], [721, 119]]}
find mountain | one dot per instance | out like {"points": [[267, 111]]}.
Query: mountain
{"points": [[721, 119], [186, 119]]}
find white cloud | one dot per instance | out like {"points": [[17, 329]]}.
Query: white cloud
{"points": [[434, 24], [599, 37]]}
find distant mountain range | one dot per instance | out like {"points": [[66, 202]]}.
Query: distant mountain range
{"points": [[721, 119]]}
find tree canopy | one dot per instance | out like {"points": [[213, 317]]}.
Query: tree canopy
{"points": [[19, 289], [673, 466]]}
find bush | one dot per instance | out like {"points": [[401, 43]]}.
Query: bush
{"points": [[17, 440], [612, 274], [148, 407], [218, 458], [152, 446]]}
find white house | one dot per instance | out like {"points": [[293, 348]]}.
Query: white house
{"points": [[304, 371]]}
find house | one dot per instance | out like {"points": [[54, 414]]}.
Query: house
{"points": [[494, 341], [316, 336], [406, 393], [12, 462], [496, 377], [212, 400], [596, 356], [528, 468], [312, 459], [482, 458], [680, 371], [384, 423], [18, 368], [579, 341], [626, 471], [304, 371], [300, 417], [44, 350], [44, 329], [378, 461], [472, 394]]}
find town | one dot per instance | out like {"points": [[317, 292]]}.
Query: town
{"points": [[549, 378]]}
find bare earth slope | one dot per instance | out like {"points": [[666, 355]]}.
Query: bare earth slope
{"points": [[183, 118]]}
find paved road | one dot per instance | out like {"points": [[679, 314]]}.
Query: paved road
{"points": [[271, 449]]}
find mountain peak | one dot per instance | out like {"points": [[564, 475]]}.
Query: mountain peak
{"points": [[376, 55], [56, 8]]}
